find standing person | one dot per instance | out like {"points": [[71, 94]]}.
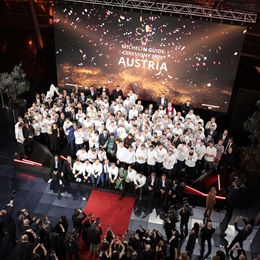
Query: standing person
{"points": [[151, 159], [140, 158], [161, 152], [210, 202], [139, 182], [211, 153], [174, 244], [233, 196], [220, 150], [67, 173], [151, 186], [242, 234], [79, 138], [185, 213], [207, 232], [20, 140], [192, 239], [94, 237], [169, 161], [77, 219]]}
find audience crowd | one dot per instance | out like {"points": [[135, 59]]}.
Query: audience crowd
{"points": [[116, 142], [27, 237]]}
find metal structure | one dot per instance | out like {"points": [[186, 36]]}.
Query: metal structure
{"points": [[176, 8]]}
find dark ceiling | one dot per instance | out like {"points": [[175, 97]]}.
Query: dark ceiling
{"points": [[19, 41]]}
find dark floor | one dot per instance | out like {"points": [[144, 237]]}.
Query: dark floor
{"points": [[34, 194]]}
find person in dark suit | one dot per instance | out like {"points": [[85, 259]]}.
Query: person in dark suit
{"points": [[92, 93], [116, 93], [77, 220], [163, 188], [162, 101], [174, 243], [233, 198], [101, 90], [66, 172], [55, 166], [242, 234], [55, 174], [186, 108], [103, 137], [206, 235], [151, 186], [185, 213], [212, 132], [224, 137]]}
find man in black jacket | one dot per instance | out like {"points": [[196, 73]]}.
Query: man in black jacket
{"points": [[116, 93], [185, 213], [242, 234], [94, 237], [151, 186], [77, 218], [206, 235], [66, 172]]}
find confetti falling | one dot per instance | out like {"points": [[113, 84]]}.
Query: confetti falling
{"points": [[197, 53]]}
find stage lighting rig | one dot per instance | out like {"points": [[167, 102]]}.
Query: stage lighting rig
{"points": [[176, 8]]}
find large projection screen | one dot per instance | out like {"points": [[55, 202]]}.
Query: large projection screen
{"points": [[187, 59]]}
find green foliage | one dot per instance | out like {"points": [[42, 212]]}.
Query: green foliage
{"points": [[252, 125], [13, 84], [251, 154]]}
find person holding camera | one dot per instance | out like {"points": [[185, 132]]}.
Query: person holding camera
{"points": [[237, 253], [94, 236], [185, 213], [77, 219]]}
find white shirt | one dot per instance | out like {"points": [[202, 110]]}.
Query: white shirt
{"points": [[139, 180], [182, 152], [177, 131], [160, 154], [87, 169], [77, 167], [191, 160], [66, 126], [113, 173], [210, 154], [132, 113], [92, 156], [131, 175], [121, 153], [200, 150], [130, 157], [169, 161], [141, 155], [151, 157], [97, 169], [19, 135], [102, 156], [82, 155], [78, 137]]}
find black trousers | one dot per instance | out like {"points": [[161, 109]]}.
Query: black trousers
{"points": [[202, 246], [184, 228]]}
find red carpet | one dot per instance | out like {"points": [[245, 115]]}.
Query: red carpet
{"points": [[110, 210]]}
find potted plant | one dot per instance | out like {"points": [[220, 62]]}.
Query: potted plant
{"points": [[12, 85]]}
